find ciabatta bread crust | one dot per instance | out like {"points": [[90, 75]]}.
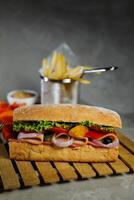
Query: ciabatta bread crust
{"points": [[87, 153], [68, 113]]}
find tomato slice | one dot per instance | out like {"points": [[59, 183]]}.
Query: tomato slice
{"points": [[58, 130], [94, 134]]}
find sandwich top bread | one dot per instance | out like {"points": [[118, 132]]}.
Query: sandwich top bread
{"points": [[68, 113], [65, 132]]}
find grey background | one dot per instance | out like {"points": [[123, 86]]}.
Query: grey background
{"points": [[99, 32]]}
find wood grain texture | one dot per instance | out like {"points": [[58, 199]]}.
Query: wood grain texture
{"points": [[102, 168], [47, 172], [85, 170], [126, 156], [126, 141], [119, 167], [66, 170], [28, 173], [8, 175]]}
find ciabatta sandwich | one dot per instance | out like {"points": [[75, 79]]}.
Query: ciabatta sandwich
{"points": [[63, 132]]}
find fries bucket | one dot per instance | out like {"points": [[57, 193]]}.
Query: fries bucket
{"points": [[55, 92]]}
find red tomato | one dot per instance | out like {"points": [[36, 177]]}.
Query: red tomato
{"points": [[58, 130], [94, 134], [6, 117], [16, 105], [3, 106], [4, 109], [7, 132]]}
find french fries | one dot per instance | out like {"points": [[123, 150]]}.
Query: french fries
{"points": [[57, 68]]}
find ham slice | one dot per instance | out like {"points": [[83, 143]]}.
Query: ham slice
{"points": [[113, 136], [38, 138], [113, 144], [98, 142], [32, 138]]}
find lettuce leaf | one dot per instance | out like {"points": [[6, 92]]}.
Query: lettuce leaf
{"points": [[96, 126], [41, 126], [37, 126]]}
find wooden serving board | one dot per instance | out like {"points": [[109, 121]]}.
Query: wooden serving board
{"points": [[22, 174]]}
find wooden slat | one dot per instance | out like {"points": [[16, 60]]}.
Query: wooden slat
{"points": [[28, 174], [119, 166], [102, 168], [8, 175], [85, 170], [66, 170], [48, 172], [1, 188], [126, 156], [126, 141]]}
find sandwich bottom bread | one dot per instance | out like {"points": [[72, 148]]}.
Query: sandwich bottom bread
{"points": [[75, 133], [87, 153]]}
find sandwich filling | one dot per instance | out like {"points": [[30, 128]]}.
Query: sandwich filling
{"points": [[65, 134]]}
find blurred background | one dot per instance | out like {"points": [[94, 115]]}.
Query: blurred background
{"points": [[99, 32]]}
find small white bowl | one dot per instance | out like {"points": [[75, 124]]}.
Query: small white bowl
{"points": [[28, 100]]}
